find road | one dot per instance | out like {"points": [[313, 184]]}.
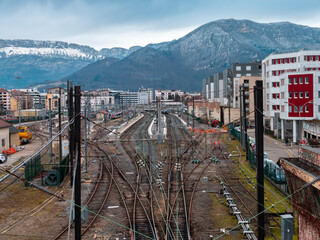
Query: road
{"points": [[275, 148]]}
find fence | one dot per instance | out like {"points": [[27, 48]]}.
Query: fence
{"points": [[33, 168], [51, 174], [272, 171]]}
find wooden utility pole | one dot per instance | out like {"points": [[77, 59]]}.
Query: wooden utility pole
{"points": [[77, 189], [258, 103]]}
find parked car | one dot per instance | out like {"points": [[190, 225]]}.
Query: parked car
{"points": [[3, 158]]}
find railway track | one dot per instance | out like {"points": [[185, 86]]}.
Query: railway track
{"points": [[161, 209]]}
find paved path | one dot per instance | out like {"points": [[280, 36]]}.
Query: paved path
{"points": [[28, 150], [275, 148]]}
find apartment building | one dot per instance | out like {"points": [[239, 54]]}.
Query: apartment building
{"points": [[220, 86], [292, 93], [4, 100]]}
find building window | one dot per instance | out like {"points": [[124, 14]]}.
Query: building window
{"points": [[295, 80], [301, 95], [307, 108], [248, 68], [282, 95], [295, 109], [319, 79], [305, 58], [307, 94], [238, 68], [290, 94], [319, 108], [290, 81], [301, 80], [319, 94], [282, 108], [282, 82], [295, 94], [306, 80], [238, 75], [3, 142], [248, 74], [301, 109], [290, 109]]}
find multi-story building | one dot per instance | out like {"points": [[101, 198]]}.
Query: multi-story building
{"points": [[54, 100], [175, 95], [128, 98], [55, 91], [150, 92], [99, 100], [4, 100], [249, 83], [22, 98], [220, 86], [291, 91]]}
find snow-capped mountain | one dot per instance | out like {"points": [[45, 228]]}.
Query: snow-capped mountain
{"points": [[180, 64], [38, 61], [10, 48]]}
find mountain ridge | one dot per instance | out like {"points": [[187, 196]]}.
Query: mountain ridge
{"points": [[204, 51], [181, 63]]}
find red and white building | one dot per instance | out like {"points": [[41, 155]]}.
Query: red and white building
{"points": [[292, 90]]}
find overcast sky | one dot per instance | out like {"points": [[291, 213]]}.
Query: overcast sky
{"points": [[125, 23]]}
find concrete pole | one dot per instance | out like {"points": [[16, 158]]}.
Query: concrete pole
{"points": [[159, 118], [294, 131], [282, 129], [85, 139], [50, 129], [105, 129], [60, 137], [19, 102], [271, 123], [89, 115], [241, 117], [116, 138], [229, 126], [193, 114]]}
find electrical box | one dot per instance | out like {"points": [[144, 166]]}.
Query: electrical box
{"points": [[65, 148], [287, 227]]}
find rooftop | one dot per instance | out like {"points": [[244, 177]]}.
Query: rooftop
{"points": [[4, 124]]}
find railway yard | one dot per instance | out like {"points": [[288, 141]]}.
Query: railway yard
{"points": [[136, 187]]}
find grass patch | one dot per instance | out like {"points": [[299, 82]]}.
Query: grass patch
{"points": [[221, 217], [272, 195]]}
